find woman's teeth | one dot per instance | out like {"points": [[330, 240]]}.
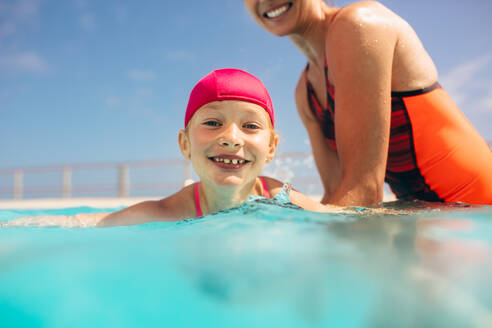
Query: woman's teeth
{"points": [[229, 161], [277, 12]]}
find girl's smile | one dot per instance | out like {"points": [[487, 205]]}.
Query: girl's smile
{"points": [[228, 161]]}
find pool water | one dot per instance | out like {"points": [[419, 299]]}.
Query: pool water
{"points": [[259, 265]]}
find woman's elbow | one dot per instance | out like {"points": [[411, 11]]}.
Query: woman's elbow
{"points": [[377, 194], [371, 193]]}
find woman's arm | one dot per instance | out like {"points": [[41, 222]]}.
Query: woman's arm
{"points": [[360, 47], [326, 159]]}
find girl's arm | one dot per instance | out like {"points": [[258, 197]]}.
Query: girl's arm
{"points": [[310, 204], [143, 212], [173, 208], [299, 199]]}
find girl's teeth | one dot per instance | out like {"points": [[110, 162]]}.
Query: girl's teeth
{"points": [[229, 161]]}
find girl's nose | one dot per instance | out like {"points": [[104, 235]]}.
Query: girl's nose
{"points": [[231, 137]]}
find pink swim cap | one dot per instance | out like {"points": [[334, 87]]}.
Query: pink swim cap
{"points": [[228, 84]]}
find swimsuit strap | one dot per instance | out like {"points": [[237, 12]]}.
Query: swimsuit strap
{"points": [[197, 201], [266, 193]]}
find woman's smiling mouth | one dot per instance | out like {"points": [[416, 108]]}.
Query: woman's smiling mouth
{"points": [[277, 11]]}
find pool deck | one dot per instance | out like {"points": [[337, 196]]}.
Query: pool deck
{"points": [[53, 203]]}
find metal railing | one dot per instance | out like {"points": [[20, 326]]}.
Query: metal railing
{"points": [[63, 183], [124, 181]]}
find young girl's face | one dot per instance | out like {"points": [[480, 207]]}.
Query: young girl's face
{"points": [[229, 142]]}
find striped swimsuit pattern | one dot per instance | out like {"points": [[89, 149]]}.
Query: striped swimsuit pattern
{"points": [[402, 173]]}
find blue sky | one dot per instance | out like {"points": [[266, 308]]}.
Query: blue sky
{"points": [[95, 81]]}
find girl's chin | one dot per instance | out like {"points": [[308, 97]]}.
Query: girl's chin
{"points": [[230, 181]]}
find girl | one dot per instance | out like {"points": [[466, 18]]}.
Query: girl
{"points": [[229, 137], [373, 108]]}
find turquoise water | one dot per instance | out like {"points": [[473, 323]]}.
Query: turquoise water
{"points": [[260, 265]]}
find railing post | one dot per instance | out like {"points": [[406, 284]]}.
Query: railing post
{"points": [[18, 183], [123, 181], [67, 182], [187, 180]]}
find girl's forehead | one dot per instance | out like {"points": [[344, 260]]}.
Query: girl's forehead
{"points": [[232, 108]]}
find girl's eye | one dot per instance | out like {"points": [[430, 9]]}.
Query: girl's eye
{"points": [[212, 123], [251, 126]]}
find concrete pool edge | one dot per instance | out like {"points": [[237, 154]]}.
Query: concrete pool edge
{"points": [[55, 203]]}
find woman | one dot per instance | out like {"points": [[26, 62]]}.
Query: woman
{"points": [[392, 121]]}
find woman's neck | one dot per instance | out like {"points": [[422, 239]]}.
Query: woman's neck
{"points": [[217, 198], [310, 37]]}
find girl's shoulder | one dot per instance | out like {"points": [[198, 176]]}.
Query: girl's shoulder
{"points": [[274, 186], [180, 205]]}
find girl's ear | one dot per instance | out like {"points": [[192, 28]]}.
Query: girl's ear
{"points": [[184, 144], [273, 147]]}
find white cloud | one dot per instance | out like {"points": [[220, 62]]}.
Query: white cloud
{"points": [[180, 55], [26, 9], [112, 102], [140, 75], [6, 29], [26, 62], [144, 92], [485, 103], [16, 13], [274, 68], [87, 21], [81, 4], [120, 14], [458, 80]]}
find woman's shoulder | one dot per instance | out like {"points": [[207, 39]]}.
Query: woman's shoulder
{"points": [[364, 14], [364, 9], [363, 27]]}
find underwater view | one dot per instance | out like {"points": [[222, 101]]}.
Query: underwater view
{"points": [[409, 264]]}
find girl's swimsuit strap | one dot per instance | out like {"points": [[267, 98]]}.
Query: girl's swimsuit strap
{"points": [[197, 201], [266, 193]]}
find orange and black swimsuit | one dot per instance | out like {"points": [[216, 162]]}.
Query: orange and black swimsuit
{"points": [[434, 152]]}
